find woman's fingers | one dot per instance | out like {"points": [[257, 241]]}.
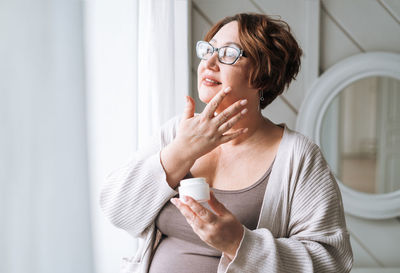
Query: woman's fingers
{"points": [[224, 120], [202, 212], [194, 213], [214, 103], [224, 233], [230, 123], [229, 112], [205, 132], [189, 108], [228, 137], [186, 211]]}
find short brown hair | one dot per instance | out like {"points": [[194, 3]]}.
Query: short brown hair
{"points": [[271, 48]]}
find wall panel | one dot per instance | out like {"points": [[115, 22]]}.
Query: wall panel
{"points": [[380, 238], [335, 45], [393, 7], [368, 23], [362, 258], [216, 10]]}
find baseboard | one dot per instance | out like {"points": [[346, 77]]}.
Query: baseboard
{"points": [[376, 270]]}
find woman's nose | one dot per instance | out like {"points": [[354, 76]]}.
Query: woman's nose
{"points": [[211, 62]]}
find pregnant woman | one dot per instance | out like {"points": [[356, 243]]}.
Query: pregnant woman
{"points": [[275, 205]]}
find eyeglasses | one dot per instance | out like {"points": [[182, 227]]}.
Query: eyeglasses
{"points": [[226, 54]]}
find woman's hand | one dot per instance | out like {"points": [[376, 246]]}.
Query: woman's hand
{"points": [[199, 135], [221, 230], [202, 133]]}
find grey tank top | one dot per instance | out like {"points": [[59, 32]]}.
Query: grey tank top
{"points": [[182, 251]]}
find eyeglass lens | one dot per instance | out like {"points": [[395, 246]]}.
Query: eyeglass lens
{"points": [[226, 54]]}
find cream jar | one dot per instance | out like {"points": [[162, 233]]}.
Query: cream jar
{"points": [[197, 188]]}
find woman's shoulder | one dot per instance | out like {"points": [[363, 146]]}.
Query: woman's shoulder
{"points": [[302, 151], [305, 156], [299, 142]]}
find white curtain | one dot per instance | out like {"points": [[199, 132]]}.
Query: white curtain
{"points": [[135, 50], [44, 189], [163, 65]]}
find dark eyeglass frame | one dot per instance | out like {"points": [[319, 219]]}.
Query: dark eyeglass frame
{"points": [[241, 53]]}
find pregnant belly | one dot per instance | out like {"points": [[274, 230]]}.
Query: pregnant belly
{"points": [[178, 256]]}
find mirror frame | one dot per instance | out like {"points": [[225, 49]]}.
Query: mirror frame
{"points": [[315, 104]]}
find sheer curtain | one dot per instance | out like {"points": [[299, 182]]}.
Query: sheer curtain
{"points": [[163, 63], [44, 209], [135, 51]]}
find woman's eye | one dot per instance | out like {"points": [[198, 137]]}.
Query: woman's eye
{"points": [[204, 50], [230, 52]]}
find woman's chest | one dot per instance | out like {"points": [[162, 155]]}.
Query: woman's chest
{"points": [[232, 172]]}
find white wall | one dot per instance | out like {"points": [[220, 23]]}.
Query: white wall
{"points": [[328, 31]]}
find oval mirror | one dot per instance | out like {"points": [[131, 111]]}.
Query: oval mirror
{"points": [[353, 113]]}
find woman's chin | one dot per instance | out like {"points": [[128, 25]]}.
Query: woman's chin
{"points": [[206, 95], [204, 99]]}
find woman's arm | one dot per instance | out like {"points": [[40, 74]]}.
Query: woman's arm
{"points": [[134, 193], [260, 252]]}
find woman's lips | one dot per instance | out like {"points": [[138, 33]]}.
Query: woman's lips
{"points": [[210, 82]]}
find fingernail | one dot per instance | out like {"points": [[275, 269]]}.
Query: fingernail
{"points": [[244, 111], [226, 90], [185, 198], [173, 201], [245, 130], [243, 102]]}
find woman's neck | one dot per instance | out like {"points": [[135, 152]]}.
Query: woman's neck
{"points": [[260, 130]]}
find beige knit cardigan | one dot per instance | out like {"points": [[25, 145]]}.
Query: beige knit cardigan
{"points": [[301, 226]]}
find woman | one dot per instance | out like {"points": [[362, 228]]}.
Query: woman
{"points": [[274, 207]]}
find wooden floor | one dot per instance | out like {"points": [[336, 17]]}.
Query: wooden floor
{"points": [[359, 173]]}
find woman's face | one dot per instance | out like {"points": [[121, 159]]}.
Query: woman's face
{"points": [[213, 76]]}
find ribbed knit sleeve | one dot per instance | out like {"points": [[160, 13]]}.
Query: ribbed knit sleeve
{"points": [[315, 238], [134, 193]]}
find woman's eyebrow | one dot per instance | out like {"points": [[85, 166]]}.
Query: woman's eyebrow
{"points": [[227, 43], [233, 43]]}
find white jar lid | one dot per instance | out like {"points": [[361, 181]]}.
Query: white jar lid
{"points": [[193, 181]]}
